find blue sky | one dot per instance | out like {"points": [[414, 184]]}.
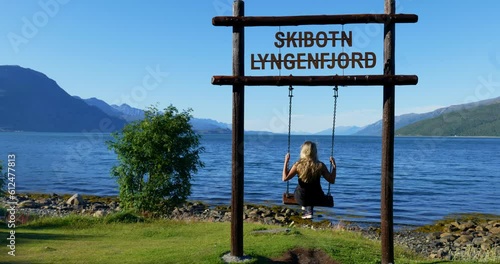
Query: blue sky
{"points": [[165, 52]]}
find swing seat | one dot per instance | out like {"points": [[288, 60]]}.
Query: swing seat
{"points": [[327, 201], [289, 198]]}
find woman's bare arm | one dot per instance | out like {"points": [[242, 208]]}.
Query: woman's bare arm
{"points": [[288, 174], [330, 175]]}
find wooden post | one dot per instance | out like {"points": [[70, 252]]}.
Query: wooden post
{"points": [[238, 135], [387, 168]]}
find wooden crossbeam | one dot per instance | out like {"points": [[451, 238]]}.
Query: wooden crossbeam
{"points": [[344, 80], [255, 21]]}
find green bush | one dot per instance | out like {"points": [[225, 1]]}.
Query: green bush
{"points": [[157, 156]]}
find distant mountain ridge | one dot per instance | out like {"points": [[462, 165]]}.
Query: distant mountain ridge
{"points": [[123, 111], [482, 120], [31, 101], [340, 130], [401, 121], [126, 112]]}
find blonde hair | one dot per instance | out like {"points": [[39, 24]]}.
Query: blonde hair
{"points": [[309, 167]]}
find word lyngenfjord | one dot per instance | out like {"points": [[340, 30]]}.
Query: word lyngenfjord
{"points": [[323, 60]]}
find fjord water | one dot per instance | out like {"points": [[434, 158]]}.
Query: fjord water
{"points": [[433, 176]]}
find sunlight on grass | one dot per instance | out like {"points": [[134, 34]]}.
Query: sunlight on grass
{"points": [[98, 240]]}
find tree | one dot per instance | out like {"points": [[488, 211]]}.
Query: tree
{"points": [[157, 156]]}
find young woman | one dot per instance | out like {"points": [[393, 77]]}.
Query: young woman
{"points": [[309, 169]]}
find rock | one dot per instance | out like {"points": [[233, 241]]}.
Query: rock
{"points": [[44, 201], [494, 223], [28, 204], [113, 205], [445, 234], [266, 213], [495, 230], [432, 236], [464, 239], [99, 213], [451, 228], [467, 225], [280, 218], [98, 206], [447, 237], [253, 213], [76, 199], [480, 228], [477, 241], [486, 245], [442, 253]]}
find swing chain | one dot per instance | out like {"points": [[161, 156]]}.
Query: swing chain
{"points": [[335, 96]]}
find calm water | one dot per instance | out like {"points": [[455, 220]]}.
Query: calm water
{"points": [[434, 177]]}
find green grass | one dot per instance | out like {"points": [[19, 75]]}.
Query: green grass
{"points": [[126, 238]]}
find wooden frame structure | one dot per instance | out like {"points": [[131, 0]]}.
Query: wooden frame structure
{"points": [[388, 80]]}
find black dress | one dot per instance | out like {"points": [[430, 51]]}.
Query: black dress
{"points": [[309, 194]]}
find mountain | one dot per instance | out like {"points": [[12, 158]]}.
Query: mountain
{"points": [[31, 101], [209, 126], [482, 120], [123, 111], [102, 105], [200, 125], [375, 129], [341, 130], [129, 113]]}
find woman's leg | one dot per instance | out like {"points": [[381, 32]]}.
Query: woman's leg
{"points": [[308, 212]]}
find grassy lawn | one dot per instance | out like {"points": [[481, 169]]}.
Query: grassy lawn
{"points": [[112, 240]]}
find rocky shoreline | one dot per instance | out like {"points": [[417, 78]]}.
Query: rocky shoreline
{"points": [[464, 239]]}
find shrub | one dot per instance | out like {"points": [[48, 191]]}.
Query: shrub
{"points": [[157, 156]]}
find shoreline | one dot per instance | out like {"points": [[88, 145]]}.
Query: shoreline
{"points": [[100, 199], [475, 236], [351, 218]]}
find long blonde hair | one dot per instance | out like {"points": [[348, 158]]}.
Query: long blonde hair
{"points": [[309, 167]]}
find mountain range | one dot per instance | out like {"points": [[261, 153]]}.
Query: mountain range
{"points": [[30, 101], [482, 120], [131, 114], [375, 129]]}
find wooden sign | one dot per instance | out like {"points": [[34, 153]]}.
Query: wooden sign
{"points": [[309, 61]]}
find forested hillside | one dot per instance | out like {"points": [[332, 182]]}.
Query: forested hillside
{"points": [[478, 121]]}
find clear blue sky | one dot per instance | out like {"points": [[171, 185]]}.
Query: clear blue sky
{"points": [[107, 49]]}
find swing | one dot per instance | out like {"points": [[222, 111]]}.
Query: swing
{"points": [[289, 198]]}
